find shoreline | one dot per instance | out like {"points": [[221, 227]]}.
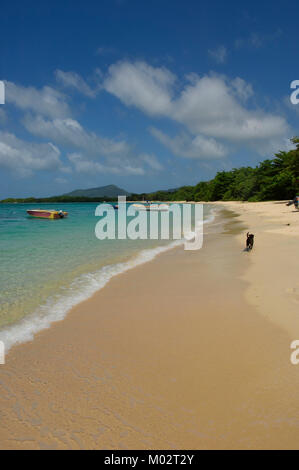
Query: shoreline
{"points": [[24, 330], [273, 270], [180, 358], [56, 308]]}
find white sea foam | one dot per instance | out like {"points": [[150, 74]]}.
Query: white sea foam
{"points": [[81, 289]]}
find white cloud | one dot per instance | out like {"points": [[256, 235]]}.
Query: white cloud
{"points": [[197, 147], [93, 153], [26, 157], [138, 84], [69, 132], [152, 161], [241, 89], [117, 166], [219, 54], [48, 117], [73, 80], [46, 101], [208, 106], [211, 107]]}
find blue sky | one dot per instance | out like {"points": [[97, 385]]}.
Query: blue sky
{"points": [[145, 95]]}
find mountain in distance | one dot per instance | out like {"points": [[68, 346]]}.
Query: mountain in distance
{"points": [[109, 191], [172, 190]]}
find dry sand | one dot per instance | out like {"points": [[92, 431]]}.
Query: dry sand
{"points": [[273, 272], [189, 351]]}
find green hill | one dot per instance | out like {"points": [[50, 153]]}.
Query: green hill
{"points": [[109, 191]]}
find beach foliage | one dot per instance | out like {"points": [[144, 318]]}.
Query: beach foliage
{"points": [[272, 179]]}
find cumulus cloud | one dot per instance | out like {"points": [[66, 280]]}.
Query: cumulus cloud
{"points": [[75, 81], [219, 54], [69, 132], [47, 116], [116, 166], [45, 101], [26, 157], [93, 153], [209, 106], [241, 89], [140, 85], [186, 146]]}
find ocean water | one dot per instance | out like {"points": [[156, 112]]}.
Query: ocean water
{"points": [[48, 266]]}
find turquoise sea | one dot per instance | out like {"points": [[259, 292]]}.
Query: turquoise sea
{"points": [[48, 266]]}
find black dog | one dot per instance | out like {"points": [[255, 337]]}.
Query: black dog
{"points": [[249, 241]]}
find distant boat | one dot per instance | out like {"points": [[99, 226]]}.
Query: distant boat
{"points": [[152, 207], [148, 207], [47, 214]]}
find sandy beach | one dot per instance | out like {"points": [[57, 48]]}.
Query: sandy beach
{"points": [[272, 273], [188, 351]]}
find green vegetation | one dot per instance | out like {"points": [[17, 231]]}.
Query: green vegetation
{"points": [[275, 179]]}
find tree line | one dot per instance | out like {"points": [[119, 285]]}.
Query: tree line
{"points": [[272, 179]]}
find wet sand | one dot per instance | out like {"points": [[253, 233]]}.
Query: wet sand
{"points": [[171, 355], [273, 271]]}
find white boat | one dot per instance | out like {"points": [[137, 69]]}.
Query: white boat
{"points": [[152, 207]]}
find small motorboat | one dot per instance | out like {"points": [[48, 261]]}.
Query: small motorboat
{"points": [[152, 207], [47, 214]]}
